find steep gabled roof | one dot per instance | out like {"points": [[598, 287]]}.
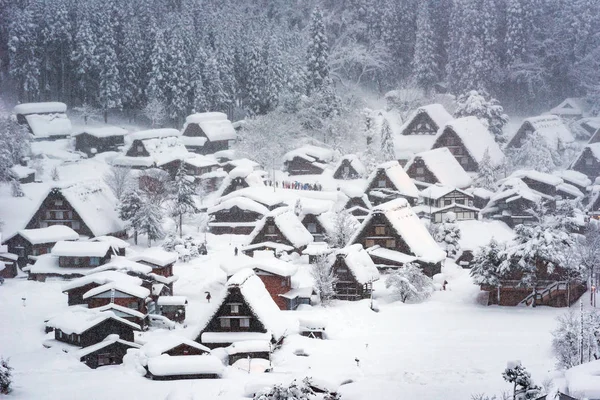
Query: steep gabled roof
{"points": [[359, 263], [40, 108], [355, 163], [310, 153], [444, 166], [571, 106], [436, 112], [164, 343], [289, 225], [399, 178], [252, 178], [242, 203], [551, 128], [119, 286], [215, 125], [79, 319], [476, 138], [110, 339], [437, 191], [409, 227]]}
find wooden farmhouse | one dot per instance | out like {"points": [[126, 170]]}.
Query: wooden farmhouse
{"points": [[244, 350], [549, 289], [359, 207], [244, 312], [246, 163], [389, 181], [88, 207], [201, 167], [94, 140], [263, 195], [118, 246], [469, 140], [481, 197], [395, 226], [588, 161], [277, 248], [355, 273], [439, 201], [174, 346], [349, 167], [110, 351], [546, 184], [274, 273], [208, 133], [550, 127], [240, 178], [45, 121], [319, 225], [84, 327], [307, 160], [35, 242], [172, 307], [23, 173], [154, 148], [426, 120], [587, 127], [128, 314], [159, 260], [76, 288], [121, 293], [575, 178], [437, 166], [281, 226], [572, 108], [512, 205], [237, 215]]}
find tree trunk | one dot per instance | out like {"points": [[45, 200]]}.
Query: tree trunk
{"points": [[105, 113], [181, 225], [135, 236]]}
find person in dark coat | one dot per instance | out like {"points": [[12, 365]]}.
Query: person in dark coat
{"points": [[208, 296]]}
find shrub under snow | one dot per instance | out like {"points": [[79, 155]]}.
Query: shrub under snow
{"points": [[410, 283]]}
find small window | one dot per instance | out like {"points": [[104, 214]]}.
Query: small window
{"points": [[58, 202], [369, 243], [420, 171], [380, 230], [60, 334], [140, 149], [133, 305], [390, 244], [75, 225], [346, 170], [463, 161], [235, 309], [58, 215], [312, 227], [225, 323], [94, 261], [447, 202], [589, 161], [76, 260], [245, 323], [459, 201], [381, 183], [271, 229]]}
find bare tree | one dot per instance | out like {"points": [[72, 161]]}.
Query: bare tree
{"points": [[88, 112], [119, 180], [155, 111], [344, 226]]}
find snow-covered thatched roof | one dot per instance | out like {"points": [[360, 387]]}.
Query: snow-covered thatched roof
{"points": [[79, 319], [444, 166], [102, 131], [437, 191], [166, 365], [408, 226], [80, 249], [215, 125], [50, 234], [119, 286], [436, 112], [572, 106], [40, 108], [155, 256], [157, 346], [397, 176], [242, 203], [49, 125], [551, 128], [154, 134], [289, 225], [165, 150], [310, 153], [476, 138], [252, 178], [359, 263], [574, 177], [101, 278], [110, 339], [355, 163]]}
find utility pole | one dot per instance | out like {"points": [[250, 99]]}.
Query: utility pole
{"points": [[581, 331]]}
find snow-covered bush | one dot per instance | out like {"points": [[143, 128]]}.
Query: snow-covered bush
{"points": [[523, 386], [488, 174], [486, 264], [187, 248], [535, 153], [324, 278], [344, 227], [447, 234], [295, 391], [5, 376], [567, 338], [410, 283]]}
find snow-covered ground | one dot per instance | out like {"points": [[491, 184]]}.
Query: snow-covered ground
{"points": [[447, 347]]}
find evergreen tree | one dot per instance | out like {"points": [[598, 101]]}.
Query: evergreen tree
{"points": [[254, 81], [197, 96], [566, 338], [489, 112], [129, 210], [158, 59], [214, 92], [149, 220], [109, 96], [388, 152], [425, 63], [176, 79], [317, 65], [523, 386], [535, 153], [447, 234], [184, 196], [485, 269], [344, 226], [515, 31], [487, 174], [23, 52], [132, 67], [84, 61], [5, 377]]}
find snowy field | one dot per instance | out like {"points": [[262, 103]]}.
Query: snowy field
{"points": [[448, 347]]}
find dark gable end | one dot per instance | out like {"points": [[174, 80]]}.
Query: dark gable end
{"points": [[137, 149], [270, 233], [346, 171], [379, 231], [421, 124], [194, 130], [587, 164], [49, 213], [524, 130], [419, 171], [454, 143]]}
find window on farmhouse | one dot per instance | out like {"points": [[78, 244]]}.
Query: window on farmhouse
{"points": [[235, 309], [271, 230], [140, 149], [58, 202], [380, 230], [94, 261], [133, 305], [369, 243], [381, 183], [589, 161], [420, 171], [245, 323], [391, 243], [225, 323], [312, 227]]}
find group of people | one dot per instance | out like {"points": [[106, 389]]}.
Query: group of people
{"points": [[295, 185]]}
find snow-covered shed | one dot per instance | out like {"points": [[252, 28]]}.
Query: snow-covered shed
{"points": [[252, 349], [99, 139], [44, 120], [110, 351], [281, 226], [426, 120], [572, 108], [349, 167], [262, 195], [197, 165], [588, 161], [208, 133], [437, 166], [550, 127], [84, 327], [172, 307], [23, 173], [77, 287], [395, 226], [547, 184], [389, 181], [307, 160], [167, 367], [121, 292], [173, 345], [236, 215], [355, 272], [575, 178], [240, 162], [244, 312], [512, 204], [159, 260], [240, 178], [119, 246], [35, 242], [469, 140]]}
